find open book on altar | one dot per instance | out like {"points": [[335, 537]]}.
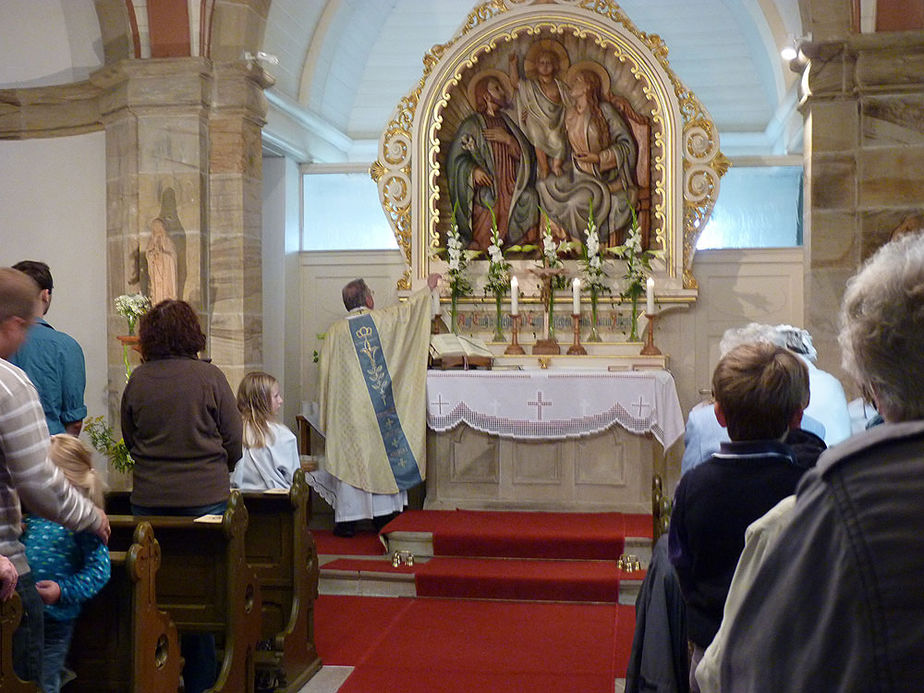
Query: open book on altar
{"points": [[455, 351]]}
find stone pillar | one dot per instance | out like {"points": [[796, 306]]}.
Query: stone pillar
{"points": [[183, 144], [235, 122], [863, 103]]}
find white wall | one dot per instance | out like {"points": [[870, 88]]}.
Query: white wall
{"points": [[53, 195], [281, 294]]}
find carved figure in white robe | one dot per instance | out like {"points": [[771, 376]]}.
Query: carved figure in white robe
{"points": [[161, 257], [603, 158], [541, 105]]}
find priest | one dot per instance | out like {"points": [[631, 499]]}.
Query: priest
{"points": [[373, 381]]}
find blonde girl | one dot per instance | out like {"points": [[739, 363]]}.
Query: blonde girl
{"points": [[270, 456], [69, 567]]}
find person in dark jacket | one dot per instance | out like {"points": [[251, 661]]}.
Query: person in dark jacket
{"points": [[837, 603], [760, 393], [182, 427]]}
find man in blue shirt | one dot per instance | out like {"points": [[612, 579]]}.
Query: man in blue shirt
{"points": [[54, 362]]}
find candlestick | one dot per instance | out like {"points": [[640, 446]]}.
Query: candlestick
{"points": [[576, 296], [514, 346], [437, 309], [576, 348], [650, 349], [514, 296], [649, 296]]}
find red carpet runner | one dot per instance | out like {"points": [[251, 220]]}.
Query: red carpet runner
{"points": [[524, 534], [541, 580], [421, 646]]}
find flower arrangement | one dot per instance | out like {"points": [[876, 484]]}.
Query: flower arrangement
{"points": [[551, 253], [459, 282], [594, 272], [638, 267], [102, 438], [498, 278], [132, 307]]}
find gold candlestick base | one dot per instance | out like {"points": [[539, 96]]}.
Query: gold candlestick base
{"points": [[514, 348], [650, 349], [576, 349]]}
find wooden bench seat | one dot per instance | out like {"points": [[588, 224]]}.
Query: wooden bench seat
{"points": [[122, 641], [206, 584], [282, 552]]}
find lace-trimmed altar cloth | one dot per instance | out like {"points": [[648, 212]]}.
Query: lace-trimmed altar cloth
{"points": [[555, 404]]}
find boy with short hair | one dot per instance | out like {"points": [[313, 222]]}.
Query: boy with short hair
{"points": [[760, 392]]}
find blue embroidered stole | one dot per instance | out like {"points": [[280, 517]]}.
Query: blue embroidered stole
{"points": [[378, 383]]}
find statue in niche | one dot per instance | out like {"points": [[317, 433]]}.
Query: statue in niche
{"points": [[161, 257], [490, 164]]}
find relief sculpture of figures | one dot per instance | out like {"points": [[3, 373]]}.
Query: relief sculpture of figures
{"points": [[555, 137], [161, 257], [602, 161], [491, 163]]}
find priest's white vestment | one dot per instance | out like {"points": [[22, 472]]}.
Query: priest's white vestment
{"points": [[373, 381]]}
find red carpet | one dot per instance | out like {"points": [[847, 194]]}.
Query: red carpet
{"points": [[524, 534], [427, 645], [502, 578], [363, 544]]}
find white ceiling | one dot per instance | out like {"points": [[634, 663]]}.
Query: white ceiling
{"points": [[347, 63]]}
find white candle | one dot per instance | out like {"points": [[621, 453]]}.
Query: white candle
{"points": [[649, 296], [514, 296], [576, 296], [436, 302]]}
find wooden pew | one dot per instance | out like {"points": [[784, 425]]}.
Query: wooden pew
{"points": [[122, 641], [206, 585], [282, 552], [10, 615]]}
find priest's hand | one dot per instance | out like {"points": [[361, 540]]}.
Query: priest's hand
{"points": [[433, 280]]}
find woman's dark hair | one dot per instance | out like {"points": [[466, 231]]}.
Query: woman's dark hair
{"points": [[171, 328]]}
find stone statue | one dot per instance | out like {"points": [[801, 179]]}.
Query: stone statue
{"points": [[161, 257]]}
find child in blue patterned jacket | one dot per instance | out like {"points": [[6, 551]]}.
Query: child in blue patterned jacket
{"points": [[69, 568]]}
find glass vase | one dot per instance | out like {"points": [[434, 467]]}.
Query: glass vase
{"points": [[453, 314], [498, 331], [594, 336], [633, 335], [551, 335]]}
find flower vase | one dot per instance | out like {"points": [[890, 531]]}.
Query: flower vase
{"points": [[498, 332], [594, 336], [453, 307], [551, 335], [633, 335]]}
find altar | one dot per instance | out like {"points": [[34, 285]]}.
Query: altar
{"points": [[557, 439]]}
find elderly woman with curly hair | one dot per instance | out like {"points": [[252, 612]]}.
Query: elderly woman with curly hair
{"points": [[182, 427]]}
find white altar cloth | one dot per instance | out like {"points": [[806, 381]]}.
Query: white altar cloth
{"points": [[555, 404]]}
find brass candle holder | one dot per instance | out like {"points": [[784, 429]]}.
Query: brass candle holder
{"points": [[514, 347], [576, 349], [650, 349]]}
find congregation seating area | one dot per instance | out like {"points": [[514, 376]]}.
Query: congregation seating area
{"points": [[249, 577]]}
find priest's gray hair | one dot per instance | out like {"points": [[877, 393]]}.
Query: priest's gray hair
{"points": [[354, 294], [882, 328]]}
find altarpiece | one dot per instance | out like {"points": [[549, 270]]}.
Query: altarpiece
{"points": [[560, 119]]}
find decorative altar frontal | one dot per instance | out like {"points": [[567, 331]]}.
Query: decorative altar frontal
{"points": [[555, 404], [557, 439]]}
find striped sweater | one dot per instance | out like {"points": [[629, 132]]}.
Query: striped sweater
{"points": [[26, 473]]}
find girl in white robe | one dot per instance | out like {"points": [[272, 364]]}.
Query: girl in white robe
{"points": [[270, 449]]}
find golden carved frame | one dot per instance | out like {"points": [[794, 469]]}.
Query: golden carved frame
{"points": [[686, 164]]}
